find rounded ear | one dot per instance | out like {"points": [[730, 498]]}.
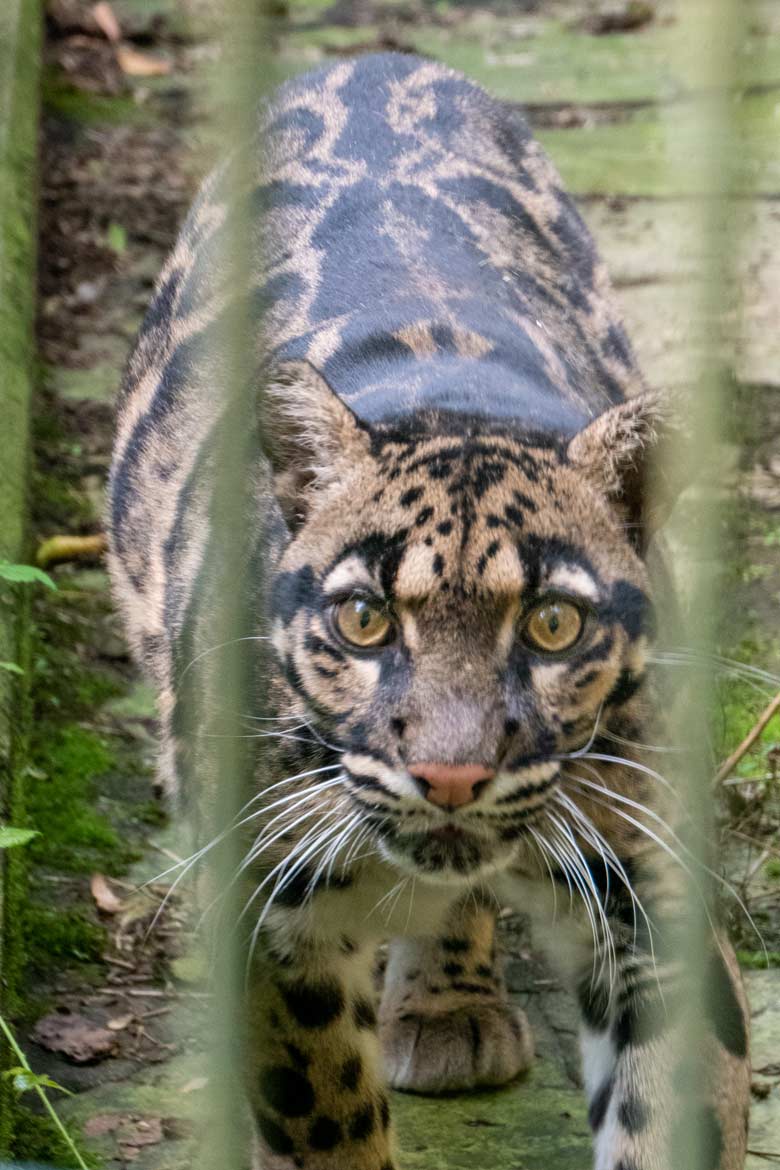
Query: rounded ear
{"points": [[307, 434], [633, 454]]}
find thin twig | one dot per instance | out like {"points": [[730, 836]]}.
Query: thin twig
{"points": [[152, 993], [728, 766], [763, 856], [752, 841]]}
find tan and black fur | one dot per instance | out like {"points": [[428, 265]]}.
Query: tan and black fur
{"points": [[453, 426]]}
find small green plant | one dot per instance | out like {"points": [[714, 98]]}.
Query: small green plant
{"points": [[23, 1078], [116, 237], [10, 837], [22, 575], [758, 960]]}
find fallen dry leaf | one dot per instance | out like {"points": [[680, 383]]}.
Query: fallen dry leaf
{"points": [[75, 1037], [101, 1124], [71, 16], [137, 1132], [105, 18], [176, 1128], [136, 908], [119, 1023], [623, 16], [136, 64], [195, 1085], [57, 549], [105, 898]]}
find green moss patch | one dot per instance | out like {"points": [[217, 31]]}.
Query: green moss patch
{"points": [[76, 105], [54, 935], [75, 836], [758, 960], [36, 1139]]}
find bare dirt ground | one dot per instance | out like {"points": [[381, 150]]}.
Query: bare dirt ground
{"points": [[113, 1010]]}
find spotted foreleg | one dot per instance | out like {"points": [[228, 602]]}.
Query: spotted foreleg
{"points": [[445, 1020], [314, 1082], [645, 1093]]}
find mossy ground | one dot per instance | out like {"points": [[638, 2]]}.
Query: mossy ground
{"points": [[86, 785]]}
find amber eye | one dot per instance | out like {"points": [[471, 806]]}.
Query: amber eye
{"points": [[362, 622], [554, 626]]}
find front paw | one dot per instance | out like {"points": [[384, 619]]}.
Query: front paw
{"points": [[466, 1048]]}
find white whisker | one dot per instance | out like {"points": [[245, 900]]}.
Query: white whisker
{"points": [[332, 746], [635, 765], [583, 879], [645, 747], [263, 842], [411, 903], [682, 656], [221, 646], [272, 719], [585, 869], [287, 780], [329, 860], [286, 869], [580, 780], [592, 836], [534, 834], [386, 896]]}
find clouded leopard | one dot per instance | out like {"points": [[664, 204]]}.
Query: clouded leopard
{"points": [[450, 565]]}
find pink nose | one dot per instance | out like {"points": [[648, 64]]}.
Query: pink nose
{"points": [[451, 785]]}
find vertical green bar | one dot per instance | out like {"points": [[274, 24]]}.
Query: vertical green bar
{"points": [[702, 153], [20, 62], [225, 765]]}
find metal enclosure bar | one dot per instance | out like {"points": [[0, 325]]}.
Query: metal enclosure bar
{"points": [[702, 147], [226, 763]]}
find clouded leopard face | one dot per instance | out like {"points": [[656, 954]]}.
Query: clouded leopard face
{"points": [[456, 608]]}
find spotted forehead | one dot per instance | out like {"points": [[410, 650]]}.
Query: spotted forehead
{"points": [[469, 515]]}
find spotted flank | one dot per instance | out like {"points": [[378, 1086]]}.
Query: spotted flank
{"points": [[450, 621]]}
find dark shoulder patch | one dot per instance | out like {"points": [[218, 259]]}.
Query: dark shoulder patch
{"points": [[600, 1104], [633, 1115], [723, 1008], [594, 1005], [641, 1022]]}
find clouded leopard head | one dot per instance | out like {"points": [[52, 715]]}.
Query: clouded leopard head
{"points": [[456, 608]]}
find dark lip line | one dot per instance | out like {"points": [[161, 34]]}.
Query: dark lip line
{"points": [[528, 790], [386, 822], [523, 792]]}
